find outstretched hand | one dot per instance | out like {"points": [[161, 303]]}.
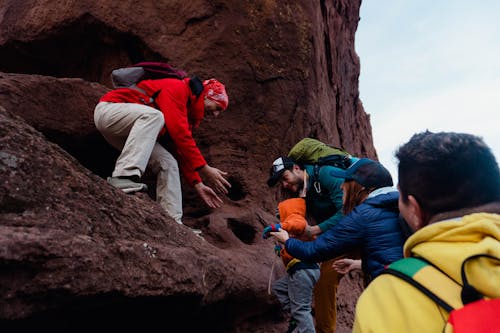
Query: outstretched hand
{"points": [[208, 195], [215, 178], [345, 265]]}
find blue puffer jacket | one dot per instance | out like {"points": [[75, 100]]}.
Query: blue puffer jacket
{"points": [[373, 227]]}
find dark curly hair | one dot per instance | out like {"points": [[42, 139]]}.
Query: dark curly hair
{"points": [[447, 171]]}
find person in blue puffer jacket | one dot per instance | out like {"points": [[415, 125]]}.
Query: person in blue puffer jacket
{"points": [[371, 224]]}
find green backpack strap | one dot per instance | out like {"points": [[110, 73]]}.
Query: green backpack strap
{"points": [[434, 283], [469, 310], [429, 280]]}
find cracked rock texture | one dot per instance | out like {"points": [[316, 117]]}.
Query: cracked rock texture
{"points": [[75, 252]]}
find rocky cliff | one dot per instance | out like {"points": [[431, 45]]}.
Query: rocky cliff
{"points": [[75, 252]]}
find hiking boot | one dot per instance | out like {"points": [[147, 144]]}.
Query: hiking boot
{"points": [[127, 185]]}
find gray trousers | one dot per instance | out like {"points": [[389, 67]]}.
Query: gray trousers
{"points": [[294, 291], [133, 129]]}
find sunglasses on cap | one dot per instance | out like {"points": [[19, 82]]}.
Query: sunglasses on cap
{"points": [[278, 165]]}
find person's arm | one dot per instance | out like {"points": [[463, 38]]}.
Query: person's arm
{"points": [[345, 236], [330, 222], [312, 231], [172, 102], [215, 178], [208, 195], [345, 265]]}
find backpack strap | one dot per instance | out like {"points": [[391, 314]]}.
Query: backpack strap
{"points": [[431, 281], [470, 294], [428, 279], [342, 160], [151, 98], [195, 85], [316, 183]]}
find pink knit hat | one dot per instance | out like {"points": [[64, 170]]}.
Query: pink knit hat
{"points": [[215, 91]]}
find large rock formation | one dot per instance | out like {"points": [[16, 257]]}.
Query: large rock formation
{"points": [[74, 250]]}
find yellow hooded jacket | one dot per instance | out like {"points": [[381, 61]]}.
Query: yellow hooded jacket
{"points": [[390, 304]]}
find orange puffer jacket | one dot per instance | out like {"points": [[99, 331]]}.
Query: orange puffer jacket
{"points": [[292, 217]]}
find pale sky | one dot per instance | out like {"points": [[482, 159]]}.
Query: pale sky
{"points": [[429, 65]]}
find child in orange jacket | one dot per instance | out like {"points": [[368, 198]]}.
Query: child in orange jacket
{"points": [[295, 289]]}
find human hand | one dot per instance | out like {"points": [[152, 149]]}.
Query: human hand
{"points": [[208, 195], [311, 232], [345, 265], [270, 228], [215, 178], [281, 235]]}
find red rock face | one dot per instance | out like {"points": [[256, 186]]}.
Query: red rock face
{"points": [[74, 248]]}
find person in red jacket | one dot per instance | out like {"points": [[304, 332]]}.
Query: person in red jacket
{"points": [[134, 120]]}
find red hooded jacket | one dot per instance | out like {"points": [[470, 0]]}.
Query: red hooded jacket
{"points": [[182, 111]]}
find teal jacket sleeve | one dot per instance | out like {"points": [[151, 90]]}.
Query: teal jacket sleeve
{"points": [[328, 223]]}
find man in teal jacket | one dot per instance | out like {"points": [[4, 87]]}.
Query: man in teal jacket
{"points": [[323, 194], [323, 197]]}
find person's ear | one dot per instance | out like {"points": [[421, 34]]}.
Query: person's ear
{"points": [[295, 168], [416, 216]]}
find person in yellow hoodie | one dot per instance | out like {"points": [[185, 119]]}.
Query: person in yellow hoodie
{"points": [[449, 187], [295, 289]]}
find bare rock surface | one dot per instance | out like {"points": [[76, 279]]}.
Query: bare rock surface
{"points": [[67, 238], [73, 250]]}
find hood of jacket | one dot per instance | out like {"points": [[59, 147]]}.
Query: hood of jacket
{"points": [[448, 243], [383, 197], [292, 216]]}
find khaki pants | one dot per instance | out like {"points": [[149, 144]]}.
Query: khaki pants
{"points": [[133, 129], [325, 298]]}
